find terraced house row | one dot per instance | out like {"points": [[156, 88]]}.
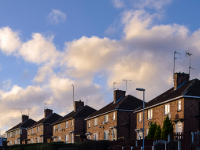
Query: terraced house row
{"points": [[120, 119]]}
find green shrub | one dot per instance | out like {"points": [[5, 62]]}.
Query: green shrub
{"points": [[167, 128], [158, 132], [152, 130]]}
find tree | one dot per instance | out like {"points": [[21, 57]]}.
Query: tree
{"points": [[158, 132], [152, 130], [167, 128]]}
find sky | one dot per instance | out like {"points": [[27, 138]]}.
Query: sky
{"points": [[46, 46]]}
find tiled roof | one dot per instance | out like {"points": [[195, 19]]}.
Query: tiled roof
{"points": [[25, 124], [48, 120], [190, 88], [82, 112], [129, 102]]}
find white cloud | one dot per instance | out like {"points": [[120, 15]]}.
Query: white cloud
{"points": [[56, 16], [118, 3], [9, 40]]}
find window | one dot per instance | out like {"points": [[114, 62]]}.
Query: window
{"points": [[32, 131], [20, 131], [42, 139], [88, 124], [95, 122], [15, 141], [58, 127], [147, 131], [10, 134], [179, 105], [54, 128], [41, 128], [59, 139], [54, 139], [150, 114], [106, 136], [10, 142], [95, 136], [72, 123], [18, 140], [113, 134], [38, 139], [15, 132], [140, 117], [72, 138], [31, 140], [28, 132], [106, 118], [140, 135], [67, 138], [113, 115], [66, 124], [167, 109], [37, 129], [178, 126]]}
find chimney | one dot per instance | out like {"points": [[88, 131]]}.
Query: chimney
{"points": [[47, 112], [24, 118], [118, 94], [180, 78], [78, 104]]}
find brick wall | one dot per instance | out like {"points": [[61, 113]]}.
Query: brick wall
{"points": [[35, 134], [159, 116], [100, 128], [64, 131], [191, 108]]}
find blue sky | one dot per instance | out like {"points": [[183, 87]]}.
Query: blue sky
{"points": [[46, 46]]}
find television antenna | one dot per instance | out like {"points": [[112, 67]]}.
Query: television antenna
{"points": [[73, 93], [175, 52], [187, 54], [126, 83], [114, 85]]}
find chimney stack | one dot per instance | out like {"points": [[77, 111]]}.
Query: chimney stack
{"points": [[24, 118], [180, 78], [118, 94], [78, 104], [47, 112]]}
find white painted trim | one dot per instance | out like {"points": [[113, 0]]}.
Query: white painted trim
{"points": [[100, 114]]}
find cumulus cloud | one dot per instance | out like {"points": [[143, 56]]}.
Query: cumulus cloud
{"points": [[9, 40], [56, 16]]}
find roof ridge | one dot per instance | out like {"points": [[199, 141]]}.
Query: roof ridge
{"points": [[193, 81], [81, 108], [123, 99]]}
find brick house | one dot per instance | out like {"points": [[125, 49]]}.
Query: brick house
{"points": [[18, 133], [116, 120], [40, 131], [71, 127], [180, 103]]}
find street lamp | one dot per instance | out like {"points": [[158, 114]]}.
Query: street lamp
{"points": [[141, 89]]}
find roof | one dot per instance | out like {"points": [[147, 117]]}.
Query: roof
{"points": [[129, 102], [190, 88], [82, 112], [48, 120], [25, 124]]}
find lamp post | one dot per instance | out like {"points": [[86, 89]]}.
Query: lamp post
{"points": [[141, 89]]}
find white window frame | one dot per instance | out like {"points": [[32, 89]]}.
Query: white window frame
{"points": [[89, 124], [106, 135], [113, 134], [54, 128], [106, 118], [167, 109], [140, 117], [59, 139], [41, 139], [113, 116], [140, 134], [32, 131], [31, 140], [72, 138], [15, 142], [179, 105], [150, 114], [95, 122], [41, 128], [18, 141], [38, 140], [58, 127], [95, 136], [38, 129], [67, 124], [67, 138]]}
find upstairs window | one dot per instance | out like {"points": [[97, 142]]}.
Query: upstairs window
{"points": [[58, 127], [37, 129], [106, 118], [95, 122], [140, 117], [167, 109], [179, 105], [72, 123], [54, 128], [41, 128], [89, 124], [32, 131], [113, 115], [150, 114], [66, 124]]}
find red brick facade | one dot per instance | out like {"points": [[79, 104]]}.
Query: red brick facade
{"points": [[36, 134], [16, 136]]}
